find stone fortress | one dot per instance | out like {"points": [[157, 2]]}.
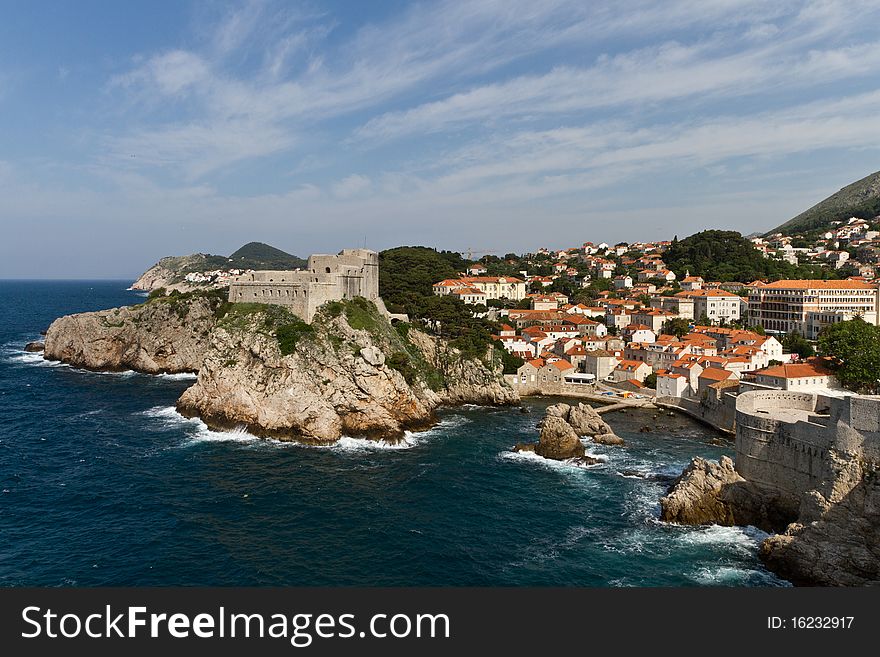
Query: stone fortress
{"points": [[349, 274], [795, 442]]}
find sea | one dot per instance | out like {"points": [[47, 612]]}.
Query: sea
{"points": [[105, 484]]}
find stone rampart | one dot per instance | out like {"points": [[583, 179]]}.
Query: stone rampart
{"points": [[785, 440]]}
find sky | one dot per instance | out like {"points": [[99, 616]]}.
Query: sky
{"points": [[134, 130]]}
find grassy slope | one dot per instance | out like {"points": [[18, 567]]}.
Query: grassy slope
{"points": [[860, 199]]}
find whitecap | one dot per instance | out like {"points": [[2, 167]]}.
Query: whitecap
{"points": [[349, 444], [566, 465], [725, 575], [743, 540], [180, 376], [27, 358]]}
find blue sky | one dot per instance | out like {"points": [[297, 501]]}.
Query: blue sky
{"points": [[133, 130]]}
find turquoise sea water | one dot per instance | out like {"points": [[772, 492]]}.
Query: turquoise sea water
{"points": [[103, 483]]}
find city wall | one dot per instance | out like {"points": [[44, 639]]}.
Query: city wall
{"points": [[790, 441]]}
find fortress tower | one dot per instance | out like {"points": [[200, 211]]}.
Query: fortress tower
{"points": [[350, 273]]}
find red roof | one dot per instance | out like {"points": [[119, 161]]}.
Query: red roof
{"points": [[795, 370]]}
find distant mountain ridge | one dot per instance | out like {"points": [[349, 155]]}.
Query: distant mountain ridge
{"points": [[257, 255], [170, 272], [859, 199]]}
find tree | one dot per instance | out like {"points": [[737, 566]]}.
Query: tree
{"points": [[798, 344], [724, 255], [677, 326], [651, 380], [854, 350], [704, 320]]}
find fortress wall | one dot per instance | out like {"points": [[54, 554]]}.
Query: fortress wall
{"points": [[352, 273], [788, 451]]}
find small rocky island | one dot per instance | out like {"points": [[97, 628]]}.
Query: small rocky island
{"points": [[561, 429], [261, 366], [806, 471]]}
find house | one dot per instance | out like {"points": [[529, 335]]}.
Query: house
{"points": [[554, 372], [653, 318], [638, 333], [469, 295], [808, 376], [677, 305], [691, 282], [589, 328], [690, 369], [617, 318], [630, 369], [712, 375], [491, 287], [632, 385], [542, 302], [670, 384], [528, 371], [622, 282], [600, 362]]}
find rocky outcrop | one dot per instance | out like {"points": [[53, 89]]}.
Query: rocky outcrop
{"points": [[839, 548], [714, 493], [262, 368], [466, 380], [163, 335], [167, 273], [585, 421], [559, 438], [321, 391], [332, 380], [34, 347], [695, 497]]}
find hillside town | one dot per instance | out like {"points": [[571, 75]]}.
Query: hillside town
{"points": [[616, 319]]}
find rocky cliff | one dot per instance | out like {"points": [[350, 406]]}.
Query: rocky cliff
{"points": [[833, 541], [168, 273], [714, 493], [349, 373], [168, 334], [260, 367]]}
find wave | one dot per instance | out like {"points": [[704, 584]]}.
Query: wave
{"points": [[197, 431], [743, 540], [14, 354], [568, 465], [732, 576]]}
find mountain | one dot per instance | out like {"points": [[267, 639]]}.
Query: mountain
{"points": [[860, 199], [256, 255], [170, 272]]}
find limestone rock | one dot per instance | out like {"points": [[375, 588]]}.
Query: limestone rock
{"points": [[585, 421], [840, 549], [608, 439], [467, 381], [558, 440], [695, 497], [373, 355], [714, 493], [168, 335], [34, 347], [334, 383]]}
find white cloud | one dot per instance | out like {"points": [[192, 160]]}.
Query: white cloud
{"points": [[351, 186]]}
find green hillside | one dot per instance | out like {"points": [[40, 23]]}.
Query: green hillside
{"points": [[256, 255], [725, 255], [860, 199]]}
